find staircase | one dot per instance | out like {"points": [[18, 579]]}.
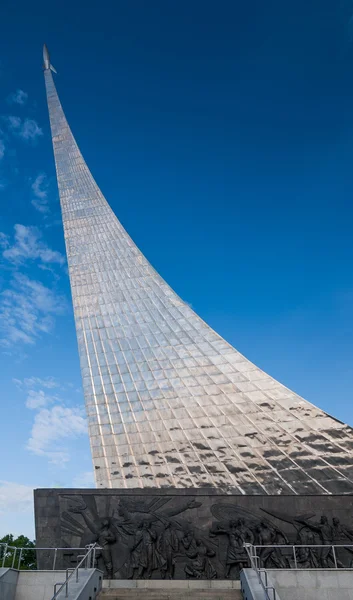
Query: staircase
{"points": [[170, 590]]}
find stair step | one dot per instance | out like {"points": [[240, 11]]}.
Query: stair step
{"points": [[170, 594], [160, 595]]}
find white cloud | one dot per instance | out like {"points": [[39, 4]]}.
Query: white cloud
{"points": [[40, 192], [27, 129], [30, 130], [14, 123], [84, 480], [39, 399], [18, 97], [39, 186], [16, 509], [51, 427], [2, 149], [4, 241], [15, 497], [31, 382], [27, 310], [28, 245]]}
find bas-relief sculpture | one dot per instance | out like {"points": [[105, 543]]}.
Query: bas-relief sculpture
{"points": [[201, 537]]}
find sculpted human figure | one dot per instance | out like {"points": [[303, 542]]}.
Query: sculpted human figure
{"points": [[105, 539], [147, 557], [124, 521], [189, 541], [340, 533], [269, 535], [168, 545], [325, 531], [307, 557], [201, 567], [245, 532], [238, 534], [103, 534]]}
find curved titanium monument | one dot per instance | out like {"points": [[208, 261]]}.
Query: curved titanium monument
{"points": [[169, 402]]}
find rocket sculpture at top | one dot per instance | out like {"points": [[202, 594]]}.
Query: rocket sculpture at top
{"points": [[46, 60], [169, 402]]}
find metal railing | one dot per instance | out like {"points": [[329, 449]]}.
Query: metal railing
{"points": [[294, 556], [88, 560], [261, 573], [15, 555], [297, 556]]}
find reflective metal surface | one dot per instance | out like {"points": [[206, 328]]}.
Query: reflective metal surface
{"points": [[169, 402]]}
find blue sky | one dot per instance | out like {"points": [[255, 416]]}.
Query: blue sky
{"points": [[222, 136]]}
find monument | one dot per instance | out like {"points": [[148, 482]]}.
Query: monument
{"points": [[195, 449]]}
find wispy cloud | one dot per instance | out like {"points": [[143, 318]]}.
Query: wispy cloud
{"points": [[14, 123], [30, 130], [38, 399], [40, 192], [52, 426], [27, 310], [55, 423], [18, 97], [4, 241], [16, 509], [15, 497], [27, 129], [31, 382], [2, 149], [28, 245]]}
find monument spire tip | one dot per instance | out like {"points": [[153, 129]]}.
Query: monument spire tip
{"points": [[46, 59]]}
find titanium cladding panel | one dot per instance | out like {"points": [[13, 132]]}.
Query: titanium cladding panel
{"points": [[169, 402]]}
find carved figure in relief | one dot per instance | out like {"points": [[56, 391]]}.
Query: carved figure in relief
{"points": [[104, 536], [147, 557], [340, 533], [245, 532], [325, 531], [238, 534], [189, 541], [319, 533], [200, 567], [244, 527], [271, 535], [168, 546], [307, 557]]}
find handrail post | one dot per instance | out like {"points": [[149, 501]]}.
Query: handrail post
{"points": [[256, 558], [20, 559], [14, 556], [295, 558], [4, 557], [334, 556]]}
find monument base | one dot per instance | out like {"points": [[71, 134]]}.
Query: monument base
{"points": [[131, 589], [189, 533]]}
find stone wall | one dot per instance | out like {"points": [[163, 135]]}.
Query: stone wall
{"points": [[313, 585], [189, 534]]}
